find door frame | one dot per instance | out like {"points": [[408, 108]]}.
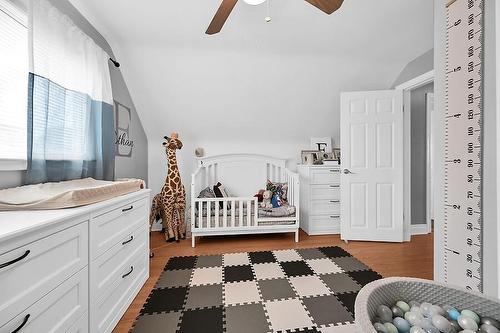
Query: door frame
{"points": [[406, 89]]}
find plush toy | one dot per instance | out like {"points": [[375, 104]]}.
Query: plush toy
{"points": [[266, 200]]}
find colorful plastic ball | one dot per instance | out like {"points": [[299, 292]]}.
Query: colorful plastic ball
{"points": [[403, 306], [441, 323], [417, 329], [424, 308], [489, 328], [471, 314], [436, 310], [490, 321], [414, 318], [453, 314], [384, 313], [467, 323], [413, 303], [402, 325], [391, 328], [397, 311], [380, 328]]}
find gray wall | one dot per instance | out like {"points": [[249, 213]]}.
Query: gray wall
{"points": [[416, 67], [419, 153], [135, 166]]}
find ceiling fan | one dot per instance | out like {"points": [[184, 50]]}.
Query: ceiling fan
{"points": [[225, 8]]}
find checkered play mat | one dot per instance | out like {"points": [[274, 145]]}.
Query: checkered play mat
{"points": [[304, 290]]}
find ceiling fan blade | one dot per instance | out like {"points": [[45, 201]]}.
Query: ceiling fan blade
{"points": [[327, 6], [221, 16]]}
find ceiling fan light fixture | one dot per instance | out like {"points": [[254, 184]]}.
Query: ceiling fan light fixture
{"points": [[254, 2]]}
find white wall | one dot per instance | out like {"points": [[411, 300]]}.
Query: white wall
{"points": [[420, 65], [235, 102]]}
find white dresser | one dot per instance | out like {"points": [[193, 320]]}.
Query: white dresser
{"points": [[320, 199], [73, 270]]}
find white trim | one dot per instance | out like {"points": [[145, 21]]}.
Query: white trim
{"points": [[429, 113], [13, 165], [407, 163], [417, 82], [406, 88], [419, 229]]}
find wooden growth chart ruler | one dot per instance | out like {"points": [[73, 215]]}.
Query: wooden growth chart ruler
{"points": [[463, 144]]}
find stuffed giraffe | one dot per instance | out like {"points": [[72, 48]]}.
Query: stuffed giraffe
{"points": [[170, 203]]}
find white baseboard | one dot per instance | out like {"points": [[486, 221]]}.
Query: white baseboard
{"points": [[419, 229]]}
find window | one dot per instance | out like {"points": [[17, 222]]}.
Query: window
{"points": [[14, 72]]}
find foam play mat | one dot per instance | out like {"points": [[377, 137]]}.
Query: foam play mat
{"points": [[303, 290]]}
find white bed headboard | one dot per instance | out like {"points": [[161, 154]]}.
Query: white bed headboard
{"points": [[241, 174]]}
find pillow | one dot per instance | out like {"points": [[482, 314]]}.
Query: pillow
{"points": [[206, 193], [221, 192], [280, 190]]}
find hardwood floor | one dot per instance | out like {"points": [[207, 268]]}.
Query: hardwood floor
{"points": [[413, 259]]}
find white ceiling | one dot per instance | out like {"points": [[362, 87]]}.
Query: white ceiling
{"points": [[254, 74], [360, 26]]}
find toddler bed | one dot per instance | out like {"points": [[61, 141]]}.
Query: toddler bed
{"points": [[243, 175]]}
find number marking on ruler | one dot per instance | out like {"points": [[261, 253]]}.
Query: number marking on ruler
{"points": [[463, 144]]}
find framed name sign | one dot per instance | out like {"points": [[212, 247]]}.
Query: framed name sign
{"points": [[123, 119]]}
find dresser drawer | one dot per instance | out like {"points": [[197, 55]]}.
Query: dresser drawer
{"points": [[56, 312], [323, 207], [105, 269], [31, 271], [325, 176], [81, 326], [326, 224], [114, 301], [325, 192], [111, 227]]}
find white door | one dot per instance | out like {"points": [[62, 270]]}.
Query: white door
{"points": [[371, 143]]}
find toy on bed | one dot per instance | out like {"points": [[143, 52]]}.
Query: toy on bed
{"points": [[266, 199], [170, 203], [274, 210]]}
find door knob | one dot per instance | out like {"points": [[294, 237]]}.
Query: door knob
{"points": [[347, 171]]}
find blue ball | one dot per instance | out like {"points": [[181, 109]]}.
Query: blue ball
{"points": [[453, 314], [402, 325]]}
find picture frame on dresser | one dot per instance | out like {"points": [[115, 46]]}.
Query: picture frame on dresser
{"points": [[320, 199]]}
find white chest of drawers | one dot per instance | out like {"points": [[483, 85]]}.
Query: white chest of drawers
{"points": [[73, 270], [319, 199]]}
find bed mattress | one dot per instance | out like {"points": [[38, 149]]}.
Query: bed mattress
{"points": [[66, 194]]}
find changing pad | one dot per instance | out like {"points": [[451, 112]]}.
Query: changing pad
{"points": [[66, 194]]}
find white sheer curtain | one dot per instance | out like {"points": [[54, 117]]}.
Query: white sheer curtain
{"points": [[70, 112]]}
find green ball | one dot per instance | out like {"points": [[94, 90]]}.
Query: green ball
{"points": [[391, 328], [471, 314]]}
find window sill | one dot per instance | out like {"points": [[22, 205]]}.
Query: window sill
{"points": [[13, 165]]}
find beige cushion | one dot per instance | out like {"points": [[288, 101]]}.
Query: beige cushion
{"points": [[66, 194]]}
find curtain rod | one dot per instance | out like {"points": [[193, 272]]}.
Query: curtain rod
{"points": [[116, 63]]}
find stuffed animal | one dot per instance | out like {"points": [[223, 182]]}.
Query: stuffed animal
{"points": [[266, 200]]}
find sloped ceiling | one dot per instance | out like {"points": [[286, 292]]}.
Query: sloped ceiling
{"points": [[254, 80]]}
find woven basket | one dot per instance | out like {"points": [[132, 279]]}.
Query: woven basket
{"points": [[388, 291]]}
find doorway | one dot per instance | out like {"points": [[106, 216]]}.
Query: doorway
{"points": [[419, 161]]}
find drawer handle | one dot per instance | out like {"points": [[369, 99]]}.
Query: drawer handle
{"points": [[335, 216], [333, 170], [334, 201], [128, 241], [127, 209], [15, 260], [334, 186], [127, 274], [22, 324]]}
